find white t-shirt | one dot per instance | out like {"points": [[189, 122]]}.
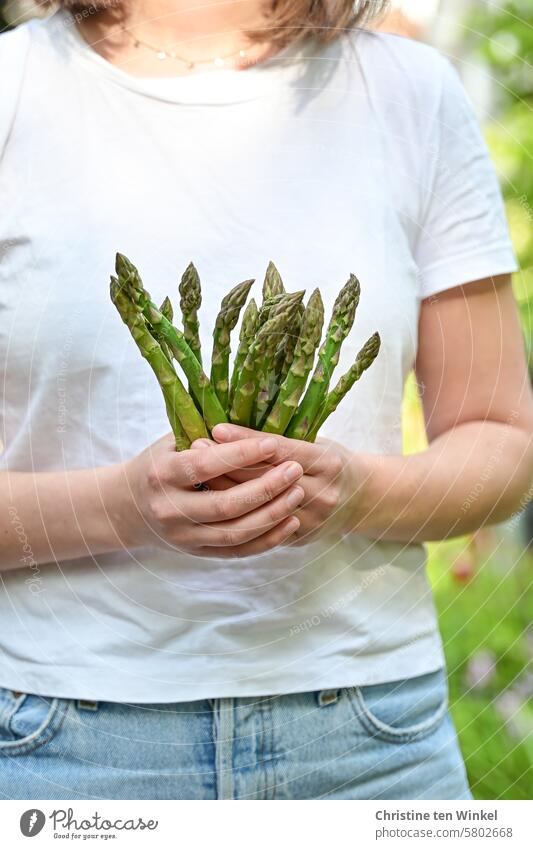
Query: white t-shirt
{"points": [[363, 156]]}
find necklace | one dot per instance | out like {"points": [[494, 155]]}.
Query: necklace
{"points": [[218, 61]]}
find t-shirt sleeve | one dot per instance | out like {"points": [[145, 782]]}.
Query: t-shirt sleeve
{"points": [[463, 234]]}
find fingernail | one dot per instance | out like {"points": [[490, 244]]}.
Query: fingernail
{"points": [[293, 524], [268, 446], [295, 496], [292, 472]]}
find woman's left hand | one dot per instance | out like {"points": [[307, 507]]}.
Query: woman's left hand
{"points": [[330, 480]]}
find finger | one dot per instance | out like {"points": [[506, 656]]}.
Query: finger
{"points": [[244, 498], [304, 534], [311, 456], [223, 481], [311, 482], [220, 484], [236, 475], [255, 524], [201, 464], [279, 535], [243, 475], [231, 432]]}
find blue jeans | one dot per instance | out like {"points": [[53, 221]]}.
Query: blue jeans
{"points": [[385, 741]]}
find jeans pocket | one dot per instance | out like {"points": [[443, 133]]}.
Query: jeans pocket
{"points": [[405, 710], [28, 721]]}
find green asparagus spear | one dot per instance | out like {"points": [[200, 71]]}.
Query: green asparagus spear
{"points": [[168, 312], [276, 304], [269, 380], [279, 303], [246, 337], [126, 266], [185, 421], [286, 352], [280, 356], [302, 363], [328, 356], [273, 284], [364, 360], [225, 322], [289, 302], [254, 367], [282, 360], [266, 308], [268, 377], [199, 382], [269, 392], [166, 309], [190, 302]]}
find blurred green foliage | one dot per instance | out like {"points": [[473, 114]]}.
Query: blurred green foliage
{"points": [[482, 593], [506, 47]]}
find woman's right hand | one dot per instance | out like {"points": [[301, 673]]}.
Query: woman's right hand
{"points": [[231, 520]]}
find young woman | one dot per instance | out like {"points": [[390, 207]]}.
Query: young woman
{"points": [[274, 636]]}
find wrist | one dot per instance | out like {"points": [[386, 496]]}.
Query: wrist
{"points": [[359, 485], [120, 503], [369, 508]]}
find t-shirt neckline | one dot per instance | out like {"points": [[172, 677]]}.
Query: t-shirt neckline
{"points": [[219, 86]]}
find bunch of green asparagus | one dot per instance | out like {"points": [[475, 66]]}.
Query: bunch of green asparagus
{"points": [[269, 387]]}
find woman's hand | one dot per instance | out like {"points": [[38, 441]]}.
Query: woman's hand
{"points": [[330, 479], [229, 519]]}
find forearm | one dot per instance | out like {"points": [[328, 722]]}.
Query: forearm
{"points": [[60, 515], [477, 473]]}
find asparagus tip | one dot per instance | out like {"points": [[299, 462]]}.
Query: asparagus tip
{"points": [[167, 310], [122, 264], [113, 287]]}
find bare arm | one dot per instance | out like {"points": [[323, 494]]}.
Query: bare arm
{"points": [[150, 500], [479, 418], [59, 515]]}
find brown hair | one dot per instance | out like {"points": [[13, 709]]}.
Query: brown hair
{"points": [[288, 20]]}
